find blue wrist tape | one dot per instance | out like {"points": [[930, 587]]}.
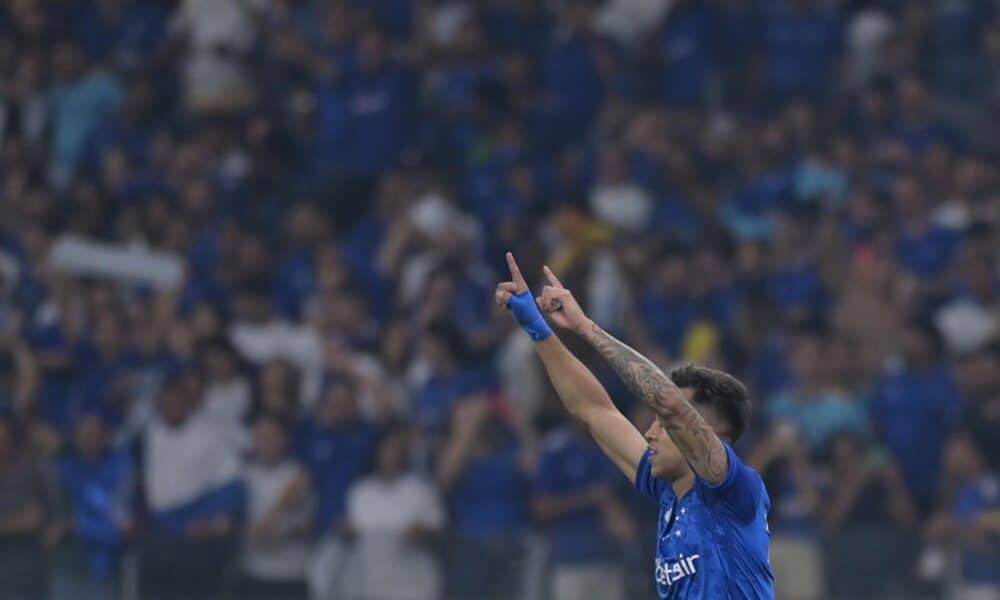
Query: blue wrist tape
{"points": [[522, 306]]}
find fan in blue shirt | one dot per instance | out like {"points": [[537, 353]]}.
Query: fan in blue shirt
{"points": [[712, 538]]}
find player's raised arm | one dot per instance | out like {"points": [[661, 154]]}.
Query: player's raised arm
{"points": [[692, 434], [582, 395]]}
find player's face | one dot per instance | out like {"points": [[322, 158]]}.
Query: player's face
{"points": [[666, 462]]}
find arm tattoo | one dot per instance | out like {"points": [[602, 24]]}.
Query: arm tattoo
{"points": [[643, 378], [692, 434]]}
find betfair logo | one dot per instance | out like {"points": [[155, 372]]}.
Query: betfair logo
{"points": [[667, 572]]}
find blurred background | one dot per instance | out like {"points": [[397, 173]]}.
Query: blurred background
{"points": [[248, 346]]}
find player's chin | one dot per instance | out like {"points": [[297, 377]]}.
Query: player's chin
{"points": [[660, 465], [655, 464]]}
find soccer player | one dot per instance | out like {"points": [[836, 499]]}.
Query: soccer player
{"points": [[712, 538]]}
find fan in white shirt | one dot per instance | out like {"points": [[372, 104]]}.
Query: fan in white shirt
{"points": [[185, 457], [260, 337], [226, 398], [279, 511], [396, 515]]}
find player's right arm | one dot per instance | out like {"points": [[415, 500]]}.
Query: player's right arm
{"points": [[582, 395], [687, 428], [585, 398]]}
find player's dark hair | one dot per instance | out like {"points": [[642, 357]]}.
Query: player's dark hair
{"points": [[721, 392]]}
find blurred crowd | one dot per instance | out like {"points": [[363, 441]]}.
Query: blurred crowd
{"points": [[247, 254]]}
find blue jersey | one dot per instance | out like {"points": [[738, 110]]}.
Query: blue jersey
{"points": [[712, 543]]}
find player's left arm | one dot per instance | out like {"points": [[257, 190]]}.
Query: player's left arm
{"points": [[692, 434]]}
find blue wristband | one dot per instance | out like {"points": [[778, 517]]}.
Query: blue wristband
{"points": [[522, 306]]}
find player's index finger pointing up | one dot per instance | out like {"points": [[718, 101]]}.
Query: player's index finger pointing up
{"points": [[515, 273], [552, 277]]}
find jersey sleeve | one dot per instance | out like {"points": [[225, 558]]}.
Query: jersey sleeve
{"points": [[645, 483], [739, 492]]}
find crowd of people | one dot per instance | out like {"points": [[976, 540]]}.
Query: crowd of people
{"points": [[247, 255]]}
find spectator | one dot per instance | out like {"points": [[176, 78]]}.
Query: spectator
{"points": [[976, 511], [484, 467], [279, 515], [796, 546], [815, 410], [395, 516], [915, 407], [987, 88], [343, 315], [873, 282], [667, 305], [194, 498], [278, 392], [963, 520], [918, 130], [689, 51], [218, 37], [616, 198], [259, 336], [970, 320], [925, 248], [867, 35], [99, 482], [110, 368], [448, 382], [393, 356], [226, 401], [576, 68], [795, 282], [956, 32], [465, 71], [803, 40], [121, 32], [25, 103], [980, 383], [336, 446], [85, 96], [379, 113], [30, 520], [582, 518], [307, 264], [18, 373], [866, 518]]}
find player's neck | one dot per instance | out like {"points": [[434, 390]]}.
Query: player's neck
{"points": [[683, 483]]}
